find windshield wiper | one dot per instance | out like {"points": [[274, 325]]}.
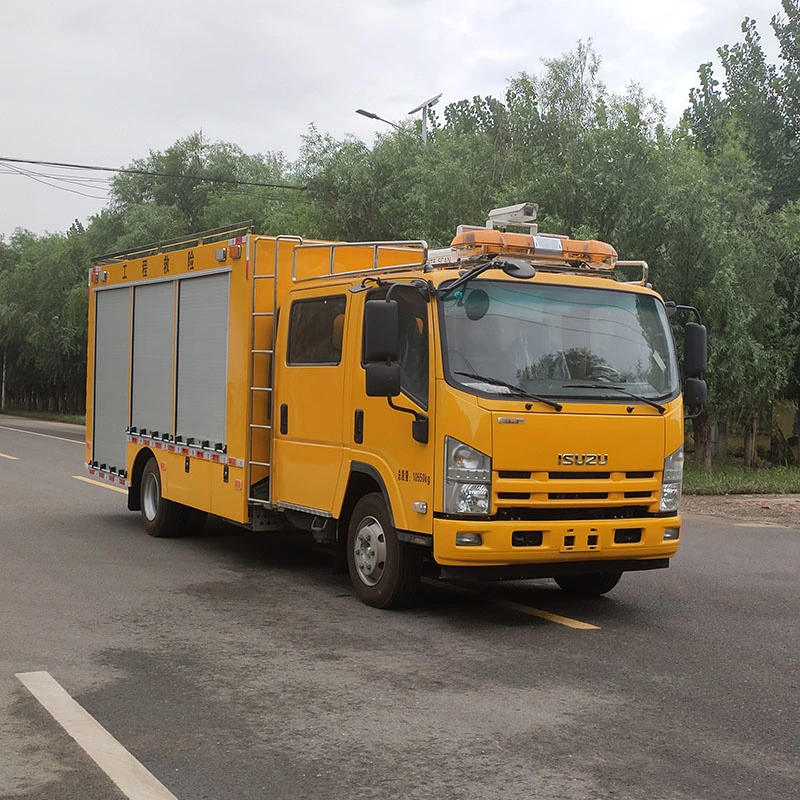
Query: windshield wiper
{"points": [[518, 390], [661, 409]]}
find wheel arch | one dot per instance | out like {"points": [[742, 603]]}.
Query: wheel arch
{"points": [[134, 490], [364, 479]]}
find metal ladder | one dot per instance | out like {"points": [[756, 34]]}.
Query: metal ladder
{"points": [[257, 392]]}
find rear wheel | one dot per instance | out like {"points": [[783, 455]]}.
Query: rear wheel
{"points": [[591, 585], [162, 517], [383, 570]]}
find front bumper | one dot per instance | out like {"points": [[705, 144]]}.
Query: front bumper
{"points": [[562, 542]]}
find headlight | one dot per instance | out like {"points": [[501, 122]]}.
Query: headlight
{"points": [[468, 479], [672, 482]]}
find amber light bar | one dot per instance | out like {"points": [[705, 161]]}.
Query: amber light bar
{"points": [[483, 241]]}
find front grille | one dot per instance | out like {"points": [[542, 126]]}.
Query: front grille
{"points": [[563, 495], [562, 514]]}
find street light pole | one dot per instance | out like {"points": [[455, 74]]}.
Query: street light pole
{"points": [[424, 108], [372, 115]]}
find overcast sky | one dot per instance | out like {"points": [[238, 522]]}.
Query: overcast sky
{"points": [[103, 82]]}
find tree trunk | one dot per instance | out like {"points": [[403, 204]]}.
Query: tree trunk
{"points": [[779, 450], [750, 443], [702, 441], [722, 442]]}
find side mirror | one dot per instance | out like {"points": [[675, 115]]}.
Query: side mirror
{"points": [[695, 393], [419, 429], [695, 350], [381, 331], [383, 380]]}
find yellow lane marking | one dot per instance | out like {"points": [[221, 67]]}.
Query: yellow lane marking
{"points": [[530, 610], [130, 775], [102, 485], [10, 458]]}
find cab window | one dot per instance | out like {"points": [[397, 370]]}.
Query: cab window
{"points": [[315, 331]]}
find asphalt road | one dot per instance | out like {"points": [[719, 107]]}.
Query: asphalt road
{"points": [[236, 666]]}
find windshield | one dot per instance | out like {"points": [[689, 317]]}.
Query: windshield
{"points": [[557, 341]]}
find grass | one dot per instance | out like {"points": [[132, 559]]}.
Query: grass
{"points": [[74, 419], [730, 477]]}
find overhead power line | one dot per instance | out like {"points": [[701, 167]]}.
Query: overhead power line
{"points": [[46, 178], [150, 173]]}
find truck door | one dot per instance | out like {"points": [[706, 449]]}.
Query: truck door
{"points": [[309, 401], [382, 436]]}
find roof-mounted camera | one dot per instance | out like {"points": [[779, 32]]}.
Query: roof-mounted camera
{"points": [[521, 215]]}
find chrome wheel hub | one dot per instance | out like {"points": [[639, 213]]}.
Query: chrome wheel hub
{"points": [[151, 495], [369, 551]]}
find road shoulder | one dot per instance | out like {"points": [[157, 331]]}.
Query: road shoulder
{"points": [[776, 509]]}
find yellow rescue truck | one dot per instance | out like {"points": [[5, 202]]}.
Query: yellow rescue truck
{"points": [[508, 407]]}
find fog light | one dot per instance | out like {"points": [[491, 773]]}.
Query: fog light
{"points": [[469, 540], [671, 534]]}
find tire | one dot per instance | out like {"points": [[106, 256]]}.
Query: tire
{"points": [[592, 584], [383, 570], [162, 517]]}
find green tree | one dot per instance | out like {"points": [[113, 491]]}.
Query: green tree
{"points": [[758, 100], [197, 181], [43, 321]]}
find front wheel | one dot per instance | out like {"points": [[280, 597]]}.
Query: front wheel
{"points": [[383, 570], [591, 585]]}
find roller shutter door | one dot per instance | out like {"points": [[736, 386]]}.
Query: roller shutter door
{"points": [[203, 358], [111, 364], [153, 347]]}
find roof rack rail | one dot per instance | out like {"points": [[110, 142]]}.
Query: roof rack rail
{"points": [[383, 256], [193, 240]]}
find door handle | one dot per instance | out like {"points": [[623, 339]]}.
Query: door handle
{"points": [[358, 426], [284, 419]]}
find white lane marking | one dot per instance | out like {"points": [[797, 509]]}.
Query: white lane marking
{"points": [[567, 622], [46, 435], [10, 458], [101, 485], [133, 780]]}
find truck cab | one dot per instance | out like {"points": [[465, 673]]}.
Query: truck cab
{"points": [[512, 410]]}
